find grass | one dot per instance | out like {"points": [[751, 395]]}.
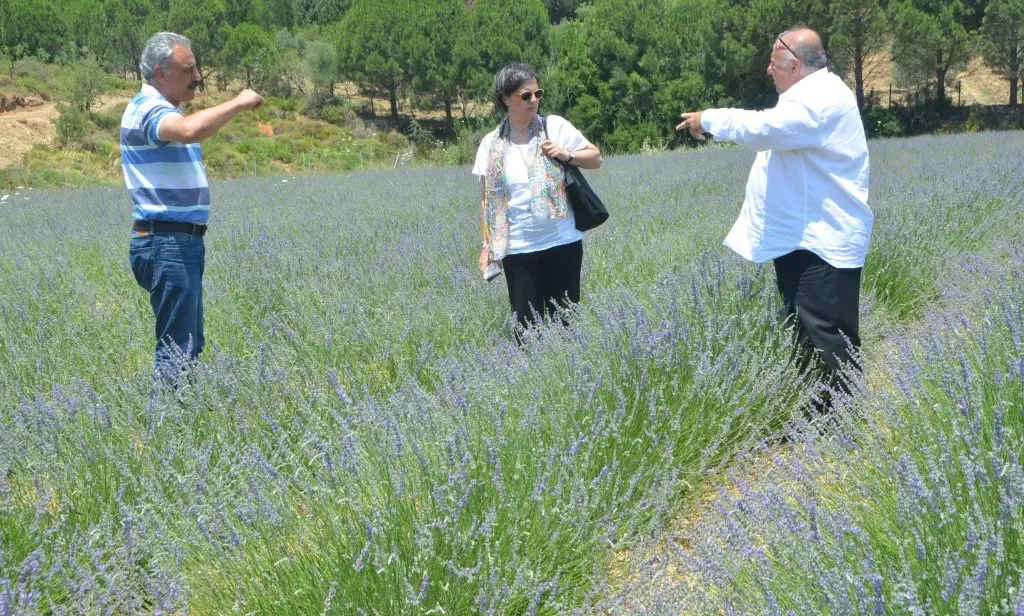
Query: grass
{"points": [[274, 140], [364, 434]]}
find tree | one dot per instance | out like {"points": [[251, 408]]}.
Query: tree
{"points": [[380, 45], [32, 27], [625, 71], [858, 30], [86, 26], [929, 41], [83, 83], [321, 65], [328, 11], [246, 47], [502, 32], [126, 31], [440, 72], [280, 14], [1002, 40], [200, 21], [237, 12], [561, 10]]}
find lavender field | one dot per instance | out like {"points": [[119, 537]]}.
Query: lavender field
{"points": [[364, 436]]}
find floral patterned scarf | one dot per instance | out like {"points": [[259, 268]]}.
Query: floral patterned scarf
{"points": [[547, 186]]}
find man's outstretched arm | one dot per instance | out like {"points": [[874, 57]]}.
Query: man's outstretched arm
{"points": [[202, 124]]}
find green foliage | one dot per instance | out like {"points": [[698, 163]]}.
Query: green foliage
{"points": [[278, 72], [341, 142], [34, 68], [321, 65], [32, 28], [501, 32], [200, 21], [620, 70], [625, 71], [561, 10], [238, 12], [82, 82], [1002, 40], [858, 30], [378, 48], [72, 125], [126, 31], [881, 121], [248, 49], [440, 71], [43, 167], [85, 24], [930, 42]]}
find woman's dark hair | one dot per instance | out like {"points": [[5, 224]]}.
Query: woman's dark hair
{"points": [[509, 79]]}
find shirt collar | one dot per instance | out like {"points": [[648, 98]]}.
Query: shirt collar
{"points": [[809, 81], [151, 92]]}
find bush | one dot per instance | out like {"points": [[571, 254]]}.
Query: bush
{"points": [[339, 115], [72, 125], [394, 139], [82, 82], [105, 120], [881, 122], [34, 67], [317, 101]]}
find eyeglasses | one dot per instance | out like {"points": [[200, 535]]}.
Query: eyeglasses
{"points": [[779, 41], [526, 94]]}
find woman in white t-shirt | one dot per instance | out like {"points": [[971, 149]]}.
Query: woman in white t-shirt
{"points": [[525, 219]]}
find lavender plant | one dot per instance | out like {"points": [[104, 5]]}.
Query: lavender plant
{"points": [[910, 505], [363, 434]]}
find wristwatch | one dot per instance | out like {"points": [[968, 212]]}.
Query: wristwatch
{"points": [[571, 156]]}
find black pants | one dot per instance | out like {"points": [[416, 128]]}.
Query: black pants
{"points": [[823, 302], [539, 282]]}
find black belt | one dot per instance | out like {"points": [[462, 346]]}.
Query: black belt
{"points": [[166, 226]]}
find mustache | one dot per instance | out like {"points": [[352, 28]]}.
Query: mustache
{"points": [[201, 85]]}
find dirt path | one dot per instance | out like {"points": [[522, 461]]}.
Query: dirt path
{"points": [[23, 128]]}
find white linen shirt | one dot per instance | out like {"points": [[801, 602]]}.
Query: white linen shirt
{"points": [[808, 186]]}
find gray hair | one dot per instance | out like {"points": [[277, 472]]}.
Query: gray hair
{"points": [[809, 50], [811, 54], [158, 52], [509, 79]]}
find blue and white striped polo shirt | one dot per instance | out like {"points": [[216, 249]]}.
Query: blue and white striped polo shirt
{"points": [[166, 180]]}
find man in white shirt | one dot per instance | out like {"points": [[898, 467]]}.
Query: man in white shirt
{"points": [[805, 206]]}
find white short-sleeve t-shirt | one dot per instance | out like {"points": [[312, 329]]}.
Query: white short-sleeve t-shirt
{"points": [[530, 230]]}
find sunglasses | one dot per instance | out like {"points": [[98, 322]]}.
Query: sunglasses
{"points": [[526, 94]]}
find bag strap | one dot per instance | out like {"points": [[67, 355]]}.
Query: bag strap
{"points": [[544, 127]]}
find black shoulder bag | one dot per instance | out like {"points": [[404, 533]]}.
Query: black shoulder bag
{"points": [[587, 208]]}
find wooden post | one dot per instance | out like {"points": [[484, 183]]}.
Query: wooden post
{"points": [[890, 94]]}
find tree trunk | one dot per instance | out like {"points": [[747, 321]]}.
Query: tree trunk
{"points": [[393, 99], [1014, 75], [858, 73], [448, 113], [940, 81]]}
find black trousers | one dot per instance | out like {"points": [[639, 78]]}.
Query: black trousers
{"points": [[823, 302], [539, 282]]}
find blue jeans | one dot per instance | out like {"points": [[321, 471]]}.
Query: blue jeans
{"points": [[169, 266]]}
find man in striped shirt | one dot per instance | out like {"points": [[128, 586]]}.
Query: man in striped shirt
{"points": [[166, 180]]}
